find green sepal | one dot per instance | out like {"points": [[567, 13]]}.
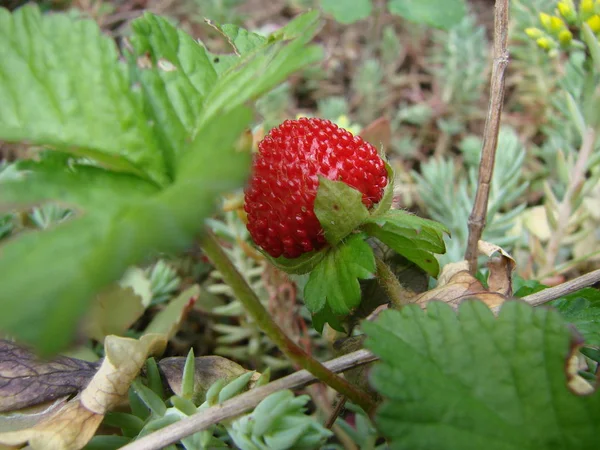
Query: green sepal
{"points": [[299, 266], [385, 203], [339, 208], [411, 236], [334, 281]]}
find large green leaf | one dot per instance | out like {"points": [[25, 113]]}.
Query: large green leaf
{"points": [[436, 13], [48, 277], [473, 381], [62, 85], [78, 186]]}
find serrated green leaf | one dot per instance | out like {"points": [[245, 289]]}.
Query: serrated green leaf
{"points": [[334, 281], [410, 236], [264, 69], [347, 11], [42, 304], [582, 309], [77, 186], [178, 80], [77, 98], [473, 381], [436, 13], [339, 208], [242, 41]]}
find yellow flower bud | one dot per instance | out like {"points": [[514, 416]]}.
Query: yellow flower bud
{"points": [[546, 20], [566, 8], [545, 43], [565, 38], [586, 9], [534, 33], [594, 23], [556, 25]]}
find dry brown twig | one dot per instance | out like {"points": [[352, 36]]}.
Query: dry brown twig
{"points": [[565, 207], [490, 134]]}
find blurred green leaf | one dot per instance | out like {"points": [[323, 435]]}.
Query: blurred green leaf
{"points": [[176, 76], [334, 281], [473, 381], [347, 11], [436, 13], [42, 304], [77, 98], [582, 309]]}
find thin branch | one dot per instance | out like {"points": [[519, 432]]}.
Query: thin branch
{"points": [[565, 208], [398, 295], [490, 134], [569, 287], [242, 403], [265, 322]]}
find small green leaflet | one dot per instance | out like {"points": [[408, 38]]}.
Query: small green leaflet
{"points": [[339, 208], [582, 309], [473, 381], [414, 238], [334, 281], [436, 13]]}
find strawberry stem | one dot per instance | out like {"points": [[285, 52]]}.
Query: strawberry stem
{"points": [[398, 295], [263, 319]]}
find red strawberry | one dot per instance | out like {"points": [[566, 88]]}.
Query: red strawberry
{"points": [[281, 194]]}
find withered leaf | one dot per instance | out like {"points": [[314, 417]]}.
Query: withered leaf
{"points": [[72, 425], [461, 286], [500, 265], [26, 380], [168, 321], [378, 133], [208, 370], [123, 361]]}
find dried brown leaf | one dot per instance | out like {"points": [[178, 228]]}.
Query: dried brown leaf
{"points": [[113, 312], [123, 361], [208, 370], [68, 428], [378, 133], [167, 321], [501, 266], [26, 380], [461, 286], [72, 425]]}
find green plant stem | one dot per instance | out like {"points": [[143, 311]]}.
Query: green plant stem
{"points": [[399, 296], [265, 322]]}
